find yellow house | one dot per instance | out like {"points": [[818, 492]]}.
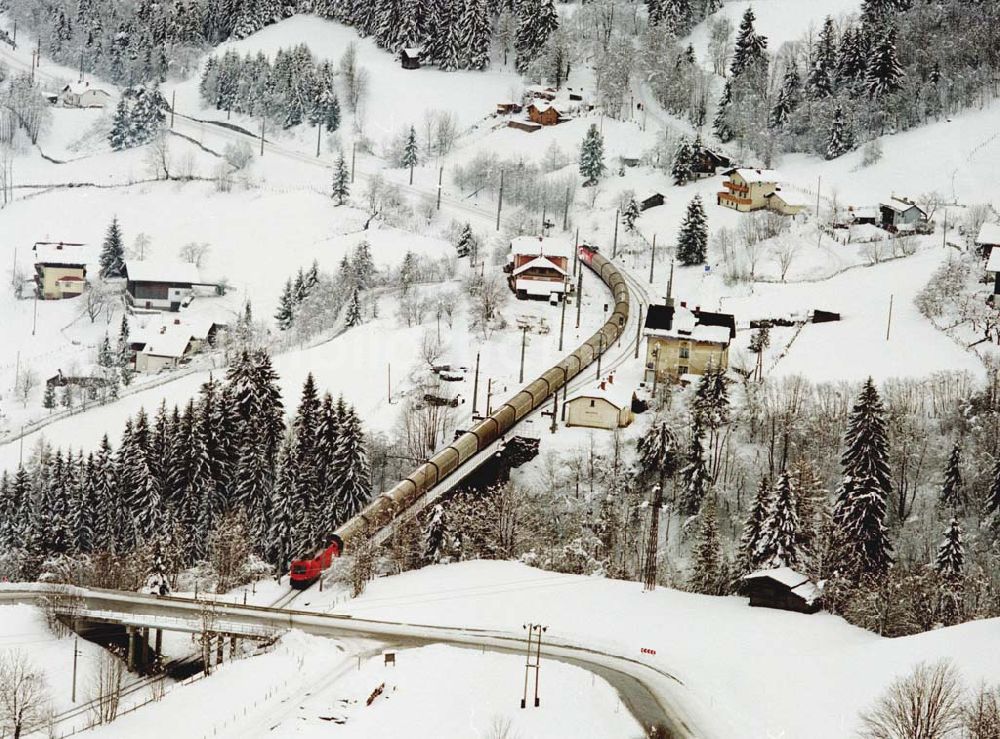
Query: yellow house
{"points": [[604, 406], [757, 189], [60, 270], [681, 341]]}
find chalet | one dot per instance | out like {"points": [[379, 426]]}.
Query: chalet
{"points": [[651, 200], [757, 189], [900, 214], [603, 406], [60, 269], [783, 588], [705, 162], [541, 92], [82, 95], [544, 113], [538, 267], [171, 343], [159, 285], [682, 341], [508, 108], [410, 58], [988, 239]]}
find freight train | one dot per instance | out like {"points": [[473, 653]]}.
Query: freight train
{"points": [[381, 511]]}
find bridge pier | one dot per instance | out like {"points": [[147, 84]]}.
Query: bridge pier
{"points": [[131, 630], [232, 648], [158, 650], [144, 644], [219, 641]]}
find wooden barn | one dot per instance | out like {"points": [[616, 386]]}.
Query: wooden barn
{"points": [[783, 588], [410, 58], [651, 200], [544, 114]]}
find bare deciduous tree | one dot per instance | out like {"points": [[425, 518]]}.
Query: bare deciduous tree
{"points": [[489, 294], [785, 249], [981, 714], [96, 298], [431, 348], [142, 247], [27, 380], [159, 158], [105, 688], [926, 704], [194, 252], [24, 699]]}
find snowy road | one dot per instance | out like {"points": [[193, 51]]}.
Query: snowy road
{"points": [[651, 694]]}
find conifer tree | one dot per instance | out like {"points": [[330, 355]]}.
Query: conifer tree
{"points": [[692, 241], [682, 170], [352, 475], [631, 214], [467, 244], [884, 75], [750, 48], [751, 539], [992, 506], [852, 61], [840, 140], [341, 181], [788, 97], [860, 508], [720, 125], [286, 307], [706, 575], [592, 156], [949, 565], [410, 159], [475, 31], [780, 545], [658, 452], [951, 497], [282, 520], [694, 475], [113, 252], [824, 69], [353, 316], [49, 398], [537, 19]]}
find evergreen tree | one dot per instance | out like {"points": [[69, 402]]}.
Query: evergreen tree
{"points": [[435, 541], [631, 214], [683, 167], [352, 475], [327, 441], [860, 508], [341, 181], [852, 61], [949, 565], [363, 266], [678, 15], [49, 398], [788, 97], [840, 140], [409, 160], [720, 125], [824, 69], [779, 544], [475, 31], [306, 497], [884, 75], [537, 19], [951, 497], [707, 567], [467, 244], [692, 241], [105, 356], [750, 48], [658, 451], [592, 156], [286, 307], [113, 252], [353, 316], [694, 475], [992, 506], [752, 538], [283, 518]]}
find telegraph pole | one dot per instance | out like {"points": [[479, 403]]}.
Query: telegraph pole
{"points": [[888, 323], [670, 283], [555, 410], [614, 247], [579, 297], [576, 250], [566, 212], [354, 151], [599, 355], [562, 321], [440, 178], [411, 174], [262, 136], [489, 395], [76, 652], [649, 566], [475, 387], [652, 260], [638, 334], [500, 200], [173, 106], [319, 137], [524, 344], [389, 381]]}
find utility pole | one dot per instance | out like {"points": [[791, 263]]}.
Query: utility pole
{"points": [[614, 246], [76, 652], [319, 137], [670, 284], [411, 175], [599, 355], [566, 212], [81, 68], [500, 200], [262, 136], [173, 107], [489, 396], [440, 178], [576, 250], [354, 151], [389, 381], [475, 388], [34, 317], [638, 334], [562, 320], [524, 344], [888, 323], [555, 411], [819, 181], [579, 297], [944, 231], [535, 630], [649, 566], [652, 260]]}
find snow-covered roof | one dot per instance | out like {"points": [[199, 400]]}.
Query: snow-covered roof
{"points": [[989, 233], [542, 245], [755, 175], [993, 263], [680, 322], [540, 263], [413, 51], [64, 254], [618, 394], [148, 271], [78, 88], [863, 211], [798, 583], [542, 105], [791, 197], [172, 343], [901, 206]]}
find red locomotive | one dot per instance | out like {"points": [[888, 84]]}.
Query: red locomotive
{"points": [[304, 572]]}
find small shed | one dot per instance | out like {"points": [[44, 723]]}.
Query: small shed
{"points": [[544, 113], [410, 58], [507, 108], [988, 239], [783, 588], [524, 125], [604, 406], [651, 200], [900, 212]]}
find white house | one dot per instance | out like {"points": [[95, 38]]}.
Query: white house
{"points": [[603, 406], [82, 95], [168, 343], [988, 239], [159, 285]]}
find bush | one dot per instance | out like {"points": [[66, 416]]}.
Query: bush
{"points": [[926, 704]]}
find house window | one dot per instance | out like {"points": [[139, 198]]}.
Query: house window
{"points": [[682, 369], [592, 404], [685, 352]]}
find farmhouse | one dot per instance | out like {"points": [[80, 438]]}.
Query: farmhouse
{"points": [[988, 239], [545, 114], [902, 214], [783, 588], [757, 189], [159, 285], [705, 162], [82, 95], [60, 269], [538, 266], [604, 406], [682, 341], [410, 58], [651, 200], [170, 343]]}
